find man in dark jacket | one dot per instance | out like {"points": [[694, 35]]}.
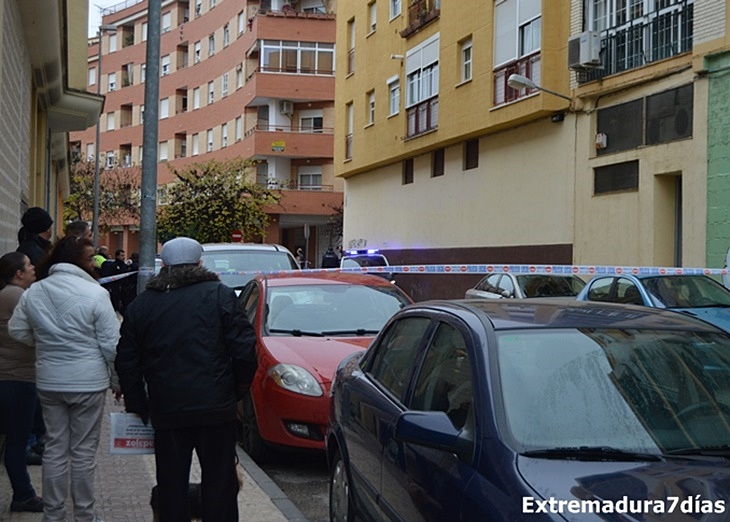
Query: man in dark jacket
{"points": [[34, 237], [185, 357]]}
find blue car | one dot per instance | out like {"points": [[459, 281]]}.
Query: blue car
{"points": [[696, 295], [534, 409]]}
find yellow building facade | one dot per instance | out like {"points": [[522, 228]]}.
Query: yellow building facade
{"points": [[602, 159]]}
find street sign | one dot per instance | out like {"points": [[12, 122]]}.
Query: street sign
{"points": [[236, 236]]}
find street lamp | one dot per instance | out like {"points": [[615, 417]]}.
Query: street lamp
{"points": [[95, 223], [519, 82]]}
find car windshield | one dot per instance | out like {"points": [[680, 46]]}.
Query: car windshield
{"points": [[549, 285], [652, 391], [331, 308], [230, 265], [365, 260], [687, 291]]}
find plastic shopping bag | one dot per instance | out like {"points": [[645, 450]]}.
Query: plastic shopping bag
{"points": [[129, 435]]}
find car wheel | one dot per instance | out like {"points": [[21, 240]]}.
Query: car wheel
{"points": [[251, 440], [341, 507]]}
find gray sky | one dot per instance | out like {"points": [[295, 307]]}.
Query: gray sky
{"points": [[94, 19]]}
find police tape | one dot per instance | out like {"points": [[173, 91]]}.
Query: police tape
{"points": [[109, 279], [485, 269]]}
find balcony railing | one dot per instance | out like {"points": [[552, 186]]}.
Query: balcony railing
{"points": [[528, 66], [662, 35], [423, 117], [288, 128], [290, 70], [293, 185]]}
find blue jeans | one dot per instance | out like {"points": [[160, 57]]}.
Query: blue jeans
{"points": [[17, 409]]}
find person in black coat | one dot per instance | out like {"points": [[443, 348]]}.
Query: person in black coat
{"points": [[185, 357], [34, 237]]}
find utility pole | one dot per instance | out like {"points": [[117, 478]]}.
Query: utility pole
{"points": [[148, 210]]}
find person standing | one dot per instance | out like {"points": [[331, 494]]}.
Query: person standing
{"points": [[185, 357], [34, 237], [69, 318], [115, 267], [330, 259], [18, 395]]}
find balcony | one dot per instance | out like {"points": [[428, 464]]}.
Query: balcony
{"points": [[663, 34], [528, 66], [264, 84], [288, 141], [420, 14], [423, 117]]}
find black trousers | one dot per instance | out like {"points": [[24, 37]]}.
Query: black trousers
{"points": [[215, 447]]}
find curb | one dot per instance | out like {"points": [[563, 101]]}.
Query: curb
{"points": [[278, 497]]}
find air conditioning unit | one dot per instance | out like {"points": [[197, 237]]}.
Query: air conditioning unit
{"points": [[584, 51], [286, 107]]}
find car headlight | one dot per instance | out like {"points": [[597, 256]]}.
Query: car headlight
{"points": [[295, 379]]}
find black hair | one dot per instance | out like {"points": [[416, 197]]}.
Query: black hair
{"points": [[68, 249], [77, 228], [10, 263]]}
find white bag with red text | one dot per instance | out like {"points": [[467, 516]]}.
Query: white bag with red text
{"points": [[129, 435]]}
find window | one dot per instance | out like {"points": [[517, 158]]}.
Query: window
{"points": [[239, 77], [211, 4], [408, 171], [198, 7], [422, 86], [224, 135], [471, 154], [226, 35], [517, 24], [166, 21], [110, 121], [196, 52], [141, 114], [144, 31], [112, 82], [623, 124], [618, 177], [393, 96], [351, 46], [239, 128], [444, 382], [211, 92], [209, 140], [395, 8], [310, 122], [92, 76], [211, 45], [466, 60], [224, 85], [112, 42], [241, 23], [196, 98], [309, 177], [196, 146], [313, 6], [350, 124], [437, 163], [163, 150], [371, 107], [89, 151], [110, 161], [142, 72], [165, 68], [301, 57], [394, 355], [164, 108], [372, 15]]}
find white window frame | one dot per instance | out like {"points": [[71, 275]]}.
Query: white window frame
{"points": [[196, 144], [165, 65], [166, 21], [164, 108], [466, 60], [371, 107], [224, 135], [211, 92], [196, 98], [142, 73], [422, 71], [111, 82], [211, 45], [224, 85], [372, 16], [111, 121], [110, 161], [395, 8], [511, 17], [309, 119], [226, 35], [241, 23], [141, 114], [209, 140], [313, 176], [92, 75], [239, 128], [163, 150], [196, 52], [112, 42], [144, 31], [393, 95]]}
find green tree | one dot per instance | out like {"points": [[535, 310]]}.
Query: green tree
{"points": [[210, 200], [118, 194]]}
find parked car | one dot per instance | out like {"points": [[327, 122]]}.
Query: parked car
{"points": [[231, 260], [305, 323], [367, 258], [498, 286], [696, 295], [480, 409]]}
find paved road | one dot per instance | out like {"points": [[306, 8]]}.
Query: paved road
{"points": [[304, 478]]}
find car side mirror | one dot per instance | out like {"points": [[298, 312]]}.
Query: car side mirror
{"points": [[506, 293], [434, 429]]}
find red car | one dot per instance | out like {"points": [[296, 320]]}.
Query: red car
{"points": [[305, 323]]}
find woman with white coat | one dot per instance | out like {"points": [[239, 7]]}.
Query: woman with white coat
{"points": [[69, 318]]}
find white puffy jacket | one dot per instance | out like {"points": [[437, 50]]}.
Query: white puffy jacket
{"points": [[70, 319]]}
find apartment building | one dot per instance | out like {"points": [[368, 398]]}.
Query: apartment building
{"points": [[251, 79], [529, 131], [42, 97]]}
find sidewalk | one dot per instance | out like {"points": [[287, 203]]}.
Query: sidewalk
{"points": [[123, 484]]}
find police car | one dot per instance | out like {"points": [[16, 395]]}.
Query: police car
{"points": [[370, 257]]}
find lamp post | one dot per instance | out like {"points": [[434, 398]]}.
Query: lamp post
{"points": [[517, 81], [95, 223]]}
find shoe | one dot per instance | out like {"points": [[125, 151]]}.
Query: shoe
{"points": [[32, 458], [32, 505]]}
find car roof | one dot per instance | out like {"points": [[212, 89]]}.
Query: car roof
{"points": [[267, 247], [506, 314], [308, 278]]}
